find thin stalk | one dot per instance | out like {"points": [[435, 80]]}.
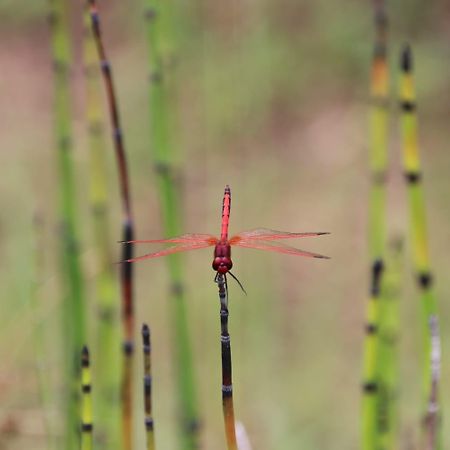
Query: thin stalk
{"points": [[432, 418], [227, 379], [149, 425], [105, 286], [127, 234], [417, 219], [389, 333], [161, 60], [73, 285], [86, 401], [377, 218]]}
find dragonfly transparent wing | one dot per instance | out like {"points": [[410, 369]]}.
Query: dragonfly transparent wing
{"points": [[175, 249], [183, 239], [266, 234], [276, 247]]}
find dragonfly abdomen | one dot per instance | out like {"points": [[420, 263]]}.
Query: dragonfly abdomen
{"points": [[226, 208]]}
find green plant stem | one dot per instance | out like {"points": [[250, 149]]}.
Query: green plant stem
{"points": [[388, 352], [107, 367], [160, 41], [86, 401], [417, 220], [73, 303], [377, 217]]}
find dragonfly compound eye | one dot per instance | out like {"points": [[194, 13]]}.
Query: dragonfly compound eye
{"points": [[222, 264], [216, 263]]}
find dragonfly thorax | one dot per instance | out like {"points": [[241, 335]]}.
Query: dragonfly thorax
{"points": [[222, 258]]}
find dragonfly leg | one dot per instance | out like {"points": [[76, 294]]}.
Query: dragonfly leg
{"points": [[239, 283]]}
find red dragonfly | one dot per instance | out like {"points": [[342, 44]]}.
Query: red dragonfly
{"points": [[259, 238]]}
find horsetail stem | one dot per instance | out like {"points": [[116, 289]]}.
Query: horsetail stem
{"points": [[432, 416], [388, 351], [86, 401], [159, 33], [107, 336], [417, 218], [127, 233], [371, 359], [73, 303], [377, 217], [149, 425], [227, 381]]}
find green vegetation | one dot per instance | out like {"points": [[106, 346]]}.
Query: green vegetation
{"points": [[419, 238], [73, 323], [126, 270], [86, 401], [373, 387], [105, 290], [162, 57]]}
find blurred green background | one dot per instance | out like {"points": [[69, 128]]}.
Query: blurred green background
{"points": [[273, 102]]}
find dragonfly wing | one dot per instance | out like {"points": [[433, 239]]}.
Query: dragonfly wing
{"points": [[183, 239], [171, 250], [277, 247], [266, 234]]}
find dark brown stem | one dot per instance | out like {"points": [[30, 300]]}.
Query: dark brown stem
{"points": [[227, 381], [127, 231]]}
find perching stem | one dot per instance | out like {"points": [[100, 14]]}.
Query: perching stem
{"points": [[227, 383]]}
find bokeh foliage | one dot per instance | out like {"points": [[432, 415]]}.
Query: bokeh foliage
{"points": [[273, 101]]}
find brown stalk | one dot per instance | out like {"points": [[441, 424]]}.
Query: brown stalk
{"points": [[127, 231]]}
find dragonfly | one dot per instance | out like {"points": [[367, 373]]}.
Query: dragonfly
{"points": [[259, 238]]}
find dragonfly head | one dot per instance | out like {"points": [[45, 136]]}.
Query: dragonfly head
{"points": [[222, 264]]}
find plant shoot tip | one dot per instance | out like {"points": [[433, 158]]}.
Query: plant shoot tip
{"points": [[406, 58]]}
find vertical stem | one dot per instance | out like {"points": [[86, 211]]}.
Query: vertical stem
{"points": [[160, 42], [149, 425], [371, 386], [227, 381], [389, 333], [73, 303], [416, 200], [86, 401], [106, 296], [377, 207], [432, 417], [127, 234], [378, 135]]}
